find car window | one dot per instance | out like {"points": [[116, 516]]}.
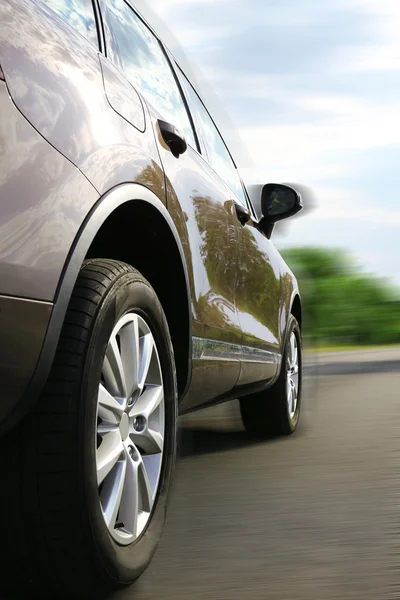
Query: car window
{"points": [[217, 153], [77, 13], [137, 52]]}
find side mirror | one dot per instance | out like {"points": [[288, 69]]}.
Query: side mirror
{"points": [[279, 202]]}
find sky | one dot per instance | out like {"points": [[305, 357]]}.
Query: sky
{"points": [[305, 91]]}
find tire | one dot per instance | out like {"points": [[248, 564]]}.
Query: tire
{"points": [[53, 530], [267, 414]]}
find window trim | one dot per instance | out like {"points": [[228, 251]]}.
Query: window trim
{"points": [[201, 148], [47, 7], [205, 154], [254, 216], [172, 63], [101, 36], [207, 111], [168, 57]]}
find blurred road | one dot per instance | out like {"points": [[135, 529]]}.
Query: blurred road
{"points": [[312, 517], [382, 360], [359, 356]]}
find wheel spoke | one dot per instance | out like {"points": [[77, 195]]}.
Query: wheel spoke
{"points": [[109, 409], [129, 507], [113, 370], [145, 492], [295, 359], [293, 351], [289, 355], [137, 493], [147, 403], [294, 397], [289, 394], [112, 491], [107, 454], [129, 338], [150, 441], [146, 345]]}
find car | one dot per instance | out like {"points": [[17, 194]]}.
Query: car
{"points": [[138, 282]]}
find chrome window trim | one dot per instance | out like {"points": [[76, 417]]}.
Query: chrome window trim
{"points": [[206, 349]]}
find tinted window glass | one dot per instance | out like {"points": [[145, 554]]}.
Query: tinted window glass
{"points": [[79, 14], [134, 48], [218, 155]]}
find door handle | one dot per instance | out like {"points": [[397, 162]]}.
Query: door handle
{"points": [[173, 138], [242, 213]]}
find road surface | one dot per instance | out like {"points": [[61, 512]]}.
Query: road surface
{"points": [[312, 517]]}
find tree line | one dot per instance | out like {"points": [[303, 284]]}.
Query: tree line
{"points": [[342, 304]]}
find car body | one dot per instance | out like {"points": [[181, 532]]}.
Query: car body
{"points": [[59, 192], [91, 166]]}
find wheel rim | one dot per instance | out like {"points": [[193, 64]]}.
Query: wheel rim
{"points": [[130, 429], [292, 375]]}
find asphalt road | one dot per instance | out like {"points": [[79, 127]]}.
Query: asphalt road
{"points": [[311, 517]]}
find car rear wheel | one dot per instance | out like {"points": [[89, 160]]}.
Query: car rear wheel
{"points": [[276, 411], [87, 473]]}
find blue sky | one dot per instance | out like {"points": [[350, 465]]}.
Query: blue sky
{"points": [[312, 89]]}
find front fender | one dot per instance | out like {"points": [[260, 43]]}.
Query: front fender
{"points": [[290, 303]]}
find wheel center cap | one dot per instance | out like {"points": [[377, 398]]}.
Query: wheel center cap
{"points": [[124, 426]]}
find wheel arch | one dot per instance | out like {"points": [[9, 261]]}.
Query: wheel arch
{"points": [[125, 197], [296, 308]]}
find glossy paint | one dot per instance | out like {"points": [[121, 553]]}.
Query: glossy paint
{"points": [[23, 325], [43, 202], [55, 79], [199, 204], [72, 128], [258, 296]]}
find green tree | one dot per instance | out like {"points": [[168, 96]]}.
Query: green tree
{"points": [[343, 305]]}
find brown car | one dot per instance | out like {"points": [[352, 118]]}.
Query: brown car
{"points": [[137, 281]]}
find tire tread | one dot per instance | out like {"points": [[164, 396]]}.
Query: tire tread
{"points": [[35, 478]]}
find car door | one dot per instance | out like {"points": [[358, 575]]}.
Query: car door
{"points": [[197, 199], [257, 274], [258, 293]]}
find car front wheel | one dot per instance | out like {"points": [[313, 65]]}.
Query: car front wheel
{"points": [[86, 475]]}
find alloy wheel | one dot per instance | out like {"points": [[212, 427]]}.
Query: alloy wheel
{"points": [[292, 386], [130, 429]]}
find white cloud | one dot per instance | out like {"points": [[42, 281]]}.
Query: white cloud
{"points": [[331, 104], [377, 57], [167, 4], [191, 36], [305, 147], [383, 52], [337, 204], [161, 12]]}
